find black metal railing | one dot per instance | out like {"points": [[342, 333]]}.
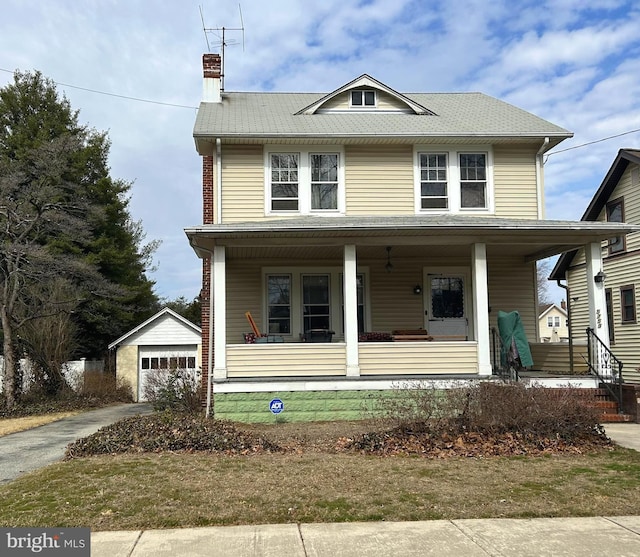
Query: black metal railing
{"points": [[605, 366]]}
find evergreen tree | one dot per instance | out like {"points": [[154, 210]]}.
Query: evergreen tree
{"points": [[63, 217]]}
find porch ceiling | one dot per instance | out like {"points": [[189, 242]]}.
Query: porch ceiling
{"points": [[317, 237]]}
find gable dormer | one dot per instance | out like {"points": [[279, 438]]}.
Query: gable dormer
{"points": [[365, 94]]}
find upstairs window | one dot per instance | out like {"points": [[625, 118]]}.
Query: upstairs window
{"points": [[360, 98], [453, 181], [433, 181], [615, 213], [304, 182], [284, 181], [473, 180]]}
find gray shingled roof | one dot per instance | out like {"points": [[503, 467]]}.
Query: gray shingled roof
{"points": [[265, 115]]}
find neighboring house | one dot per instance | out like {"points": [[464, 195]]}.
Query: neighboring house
{"points": [[359, 217], [616, 200], [164, 341], [552, 323]]}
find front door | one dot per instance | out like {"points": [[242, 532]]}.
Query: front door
{"points": [[446, 305]]}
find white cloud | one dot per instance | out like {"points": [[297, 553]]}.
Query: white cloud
{"points": [[574, 62]]}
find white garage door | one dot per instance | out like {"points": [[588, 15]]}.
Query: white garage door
{"points": [[159, 360]]}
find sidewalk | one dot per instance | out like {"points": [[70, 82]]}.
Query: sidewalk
{"points": [[611, 536]]}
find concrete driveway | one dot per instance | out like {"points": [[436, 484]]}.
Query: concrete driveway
{"points": [[29, 450]]}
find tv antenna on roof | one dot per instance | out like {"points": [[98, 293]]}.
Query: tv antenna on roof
{"points": [[221, 40]]}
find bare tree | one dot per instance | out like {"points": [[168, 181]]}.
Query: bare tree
{"points": [[38, 202], [542, 280]]}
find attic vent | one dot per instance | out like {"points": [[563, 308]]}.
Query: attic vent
{"points": [[360, 98], [635, 176]]}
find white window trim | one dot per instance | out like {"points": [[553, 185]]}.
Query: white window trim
{"points": [[335, 280], [453, 178], [304, 179], [363, 106]]}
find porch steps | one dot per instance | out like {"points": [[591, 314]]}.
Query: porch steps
{"points": [[605, 404]]}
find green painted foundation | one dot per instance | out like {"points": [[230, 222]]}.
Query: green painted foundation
{"points": [[299, 406]]}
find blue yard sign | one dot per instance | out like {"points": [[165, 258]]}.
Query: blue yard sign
{"points": [[276, 406]]}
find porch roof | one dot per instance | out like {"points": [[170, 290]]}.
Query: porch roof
{"points": [[531, 239]]}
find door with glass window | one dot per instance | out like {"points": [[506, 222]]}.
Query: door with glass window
{"points": [[316, 302], [446, 304]]}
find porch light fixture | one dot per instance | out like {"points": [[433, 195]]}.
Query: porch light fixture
{"points": [[417, 289], [599, 277], [389, 265]]}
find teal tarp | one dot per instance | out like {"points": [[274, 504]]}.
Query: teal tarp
{"points": [[514, 339]]}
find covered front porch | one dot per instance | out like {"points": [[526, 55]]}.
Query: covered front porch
{"points": [[366, 278]]}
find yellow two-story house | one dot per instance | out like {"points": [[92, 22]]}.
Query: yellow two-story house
{"points": [[371, 235]]}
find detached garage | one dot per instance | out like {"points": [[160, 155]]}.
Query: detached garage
{"points": [[165, 341]]}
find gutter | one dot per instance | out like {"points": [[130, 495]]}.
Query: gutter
{"points": [[569, 331]]}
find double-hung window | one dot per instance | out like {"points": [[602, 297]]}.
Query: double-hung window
{"points": [[615, 213], [628, 303], [305, 182], [473, 180], [453, 180], [433, 181]]}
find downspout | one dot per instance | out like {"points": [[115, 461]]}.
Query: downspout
{"points": [[210, 333], [218, 180], [539, 178], [568, 298]]}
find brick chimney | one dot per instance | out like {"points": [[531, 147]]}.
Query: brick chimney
{"points": [[212, 73], [563, 305]]}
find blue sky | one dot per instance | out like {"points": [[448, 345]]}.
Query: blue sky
{"points": [[575, 63]]}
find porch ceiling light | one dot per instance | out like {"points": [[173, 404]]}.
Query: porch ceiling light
{"points": [[389, 265], [599, 277]]}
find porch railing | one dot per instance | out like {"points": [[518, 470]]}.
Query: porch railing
{"points": [[605, 366]]}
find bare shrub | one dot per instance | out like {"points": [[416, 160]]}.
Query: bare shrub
{"points": [[174, 389], [106, 387], [490, 408]]}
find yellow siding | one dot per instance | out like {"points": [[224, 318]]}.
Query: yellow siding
{"points": [[127, 367], [242, 183], [286, 360], [244, 293], [409, 358], [379, 180], [621, 270], [555, 357], [515, 182], [512, 288]]}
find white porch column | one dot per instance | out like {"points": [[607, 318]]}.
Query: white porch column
{"points": [[595, 291], [219, 287], [351, 311], [481, 307]]}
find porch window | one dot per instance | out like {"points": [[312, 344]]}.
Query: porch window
{"points": [[628, 303], [615, 213], [316, 302], [279, 303], [473, 180], [360, 291]]}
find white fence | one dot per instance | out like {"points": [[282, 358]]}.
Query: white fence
{"points": [[73, 371]]}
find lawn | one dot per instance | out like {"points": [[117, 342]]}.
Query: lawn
{"points": [[313, 482]]}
